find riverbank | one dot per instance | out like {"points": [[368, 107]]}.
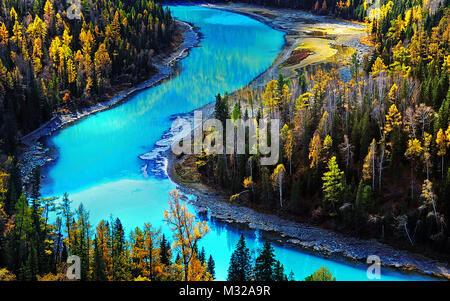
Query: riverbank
{"points": [[319, 40], [217, 209], [33, 151], [324, 38], [308, 238]]}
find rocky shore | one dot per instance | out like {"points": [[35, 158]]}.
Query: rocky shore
{"points": [[304, 236], [33, 151], [307, 237], [298, 27]]}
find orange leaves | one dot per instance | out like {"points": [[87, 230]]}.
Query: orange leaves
{"points": [[198, 271], [102, 62], [37, 29], [277, 173], [71, 72], [393, 119], [323, 274], [37, 54], [248, 182], [145, 252], [17, 34], [315, 147], [414, 148], [6, 275], [427, 194], [66, 97], [270, 98], [4, 35], [49, 13], [3, 180], [378, 67], [443, 141], [369, 162], [186, 232]]}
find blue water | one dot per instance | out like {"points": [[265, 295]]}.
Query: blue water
{"points": [[98, 161]]}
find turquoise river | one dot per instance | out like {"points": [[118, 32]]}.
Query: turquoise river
{"points": [[98, 158]]}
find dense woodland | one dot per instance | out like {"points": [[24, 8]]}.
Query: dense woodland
{"points": [[377, 145], [51, 62], [33, 248]]}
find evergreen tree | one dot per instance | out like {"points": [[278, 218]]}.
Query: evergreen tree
{"points": [[333, 184], [265, 264], [221, 110], [81, 241], [14, 187], [211, 267], [363, 198], [240, 263], [35, 189], [99, 273], [164, 250], [202, 255], [120, 268], [278, 272]]}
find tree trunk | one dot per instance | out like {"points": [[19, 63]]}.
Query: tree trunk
{"points": [[412, 180], [348, 156], [380, 169], [407, 233], [435, 213], [290, 166], [373, 167], [281, 189]]}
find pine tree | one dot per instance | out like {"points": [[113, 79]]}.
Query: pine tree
{"points": [[81, 240], [221, 110], [14, 187], [265, 264], [363, 200], [35, 188], [99, 273], [333, 184], [211, 267], [66, 212], [202, 255], [120, 267], [240, 262], [278, 272], [164, 251]]}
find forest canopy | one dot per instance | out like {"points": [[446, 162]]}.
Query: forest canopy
{"points": [[51, 61], [377, 145]]}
